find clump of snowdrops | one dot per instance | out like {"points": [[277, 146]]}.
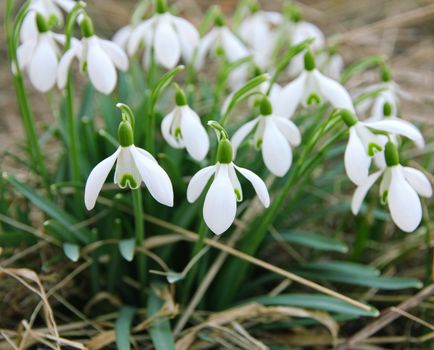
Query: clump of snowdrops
{"points": [[211, 133]]}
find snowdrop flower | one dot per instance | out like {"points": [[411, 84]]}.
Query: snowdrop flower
{"points": [[221, 40], [133, 165], [312, 86], [39, 56], [220, 205], [330, 63], [400, 188], [182, 128], [259, 32], [363, 143], [169, 36], [97, 56], [50, 10], [275, 135], [122, 36]]}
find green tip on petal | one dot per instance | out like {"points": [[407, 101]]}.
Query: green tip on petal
{"points": [[86, 27], [348, 117], [387, 109], [160, 6], [265, 106], [309, 61], [224, 151], [391, 154], [41, 23], [125, 134]]}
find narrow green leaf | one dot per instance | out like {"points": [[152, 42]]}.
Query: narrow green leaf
{"points": [[360, 67], [161, 333], [348, 268], [163, 83], [126, 247], [315, 241], [315, 302], [72, 251], [123, 327]]}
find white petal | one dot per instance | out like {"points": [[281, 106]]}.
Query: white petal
{"points": [[64, 64], [362, 191], [399, 127], [234, 48], [220, 205], [204, 47], [188, 37], [25, 52], [290, 97], [127, 166], [418, 181], [116, 54], [404, 203], [288, 129], [334, 92], [122, 36], [357, 161], [194, 134], [235, 183], [43, 65], [241, 134], [276, 150], [137, 36], [258, 185], [29, 30], [97, 178], [102, 72], [166, 45], [155, 178], [198, 182], [166, 126]]}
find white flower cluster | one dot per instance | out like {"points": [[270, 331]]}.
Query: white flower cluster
{"points": [[165, 40]]}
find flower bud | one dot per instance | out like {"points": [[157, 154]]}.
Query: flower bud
{"points": [[387, 109], [224, 151], [391, 154], [309, 61], [86, 27], [160, 6], [125, 134], [386, 74], [41, 23], [265, 106], [348, 117]]}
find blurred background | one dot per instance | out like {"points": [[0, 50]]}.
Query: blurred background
{"points": [[401, 30]]}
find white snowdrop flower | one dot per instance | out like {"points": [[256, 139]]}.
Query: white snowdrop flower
{"points": [[220, 205], [39, 56], [182, 128], [50, 10], [275, 135], [98, 57], [260, 32], [331, 64], [170, 37], [363, 143], [220, 39], [400, 188], [122, 36], [313, 87], [133, 165], [300, 32]]}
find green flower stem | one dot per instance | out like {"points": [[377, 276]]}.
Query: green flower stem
{"points": [[72, 132], [140, 237], [28, 120]]}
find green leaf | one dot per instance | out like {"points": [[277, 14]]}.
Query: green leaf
{"points": [[315, 302], [344, 267], [123, 327], [72, 251], [360, 67], [127, 247], [51, 209], [160, 331], [15, 239], [163, 83], [315, 241]]}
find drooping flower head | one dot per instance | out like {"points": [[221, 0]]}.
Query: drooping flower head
{"points": [[366, 141], [220, 206], [182, 128], [133, 166], [313, 87], [166, 36], [98, 57], [39, 56], [400, 189], [274, 134]]}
